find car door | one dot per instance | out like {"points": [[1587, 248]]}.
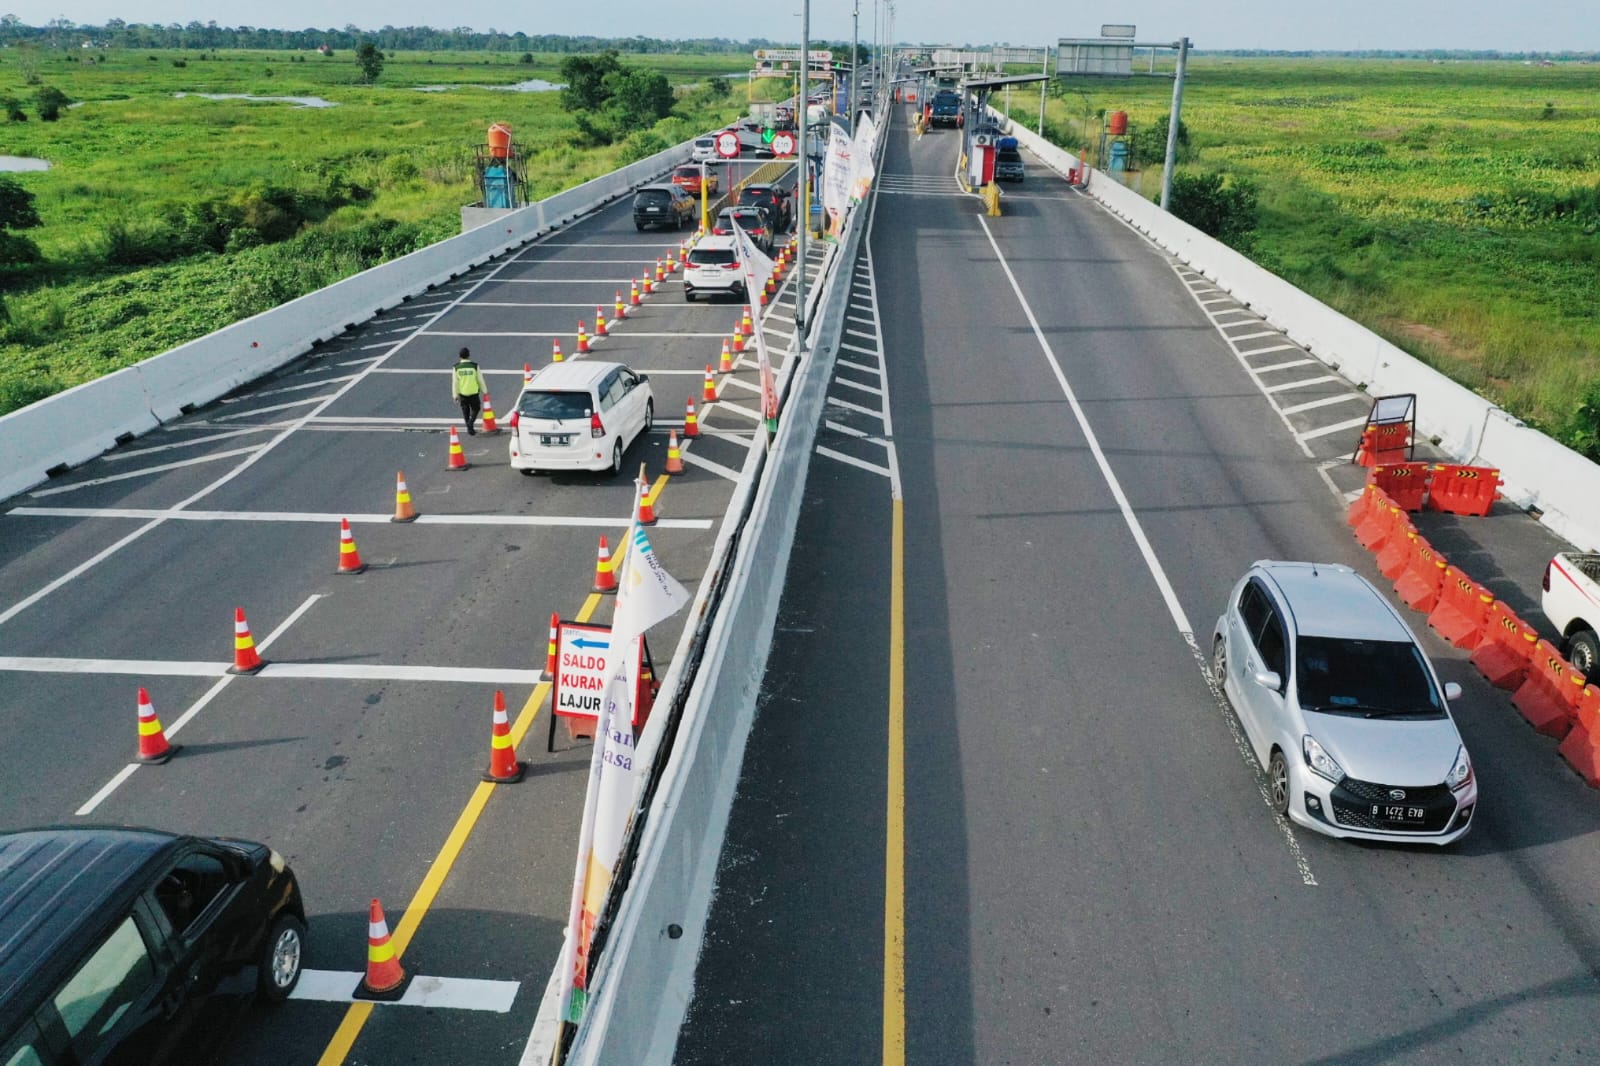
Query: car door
{"points": [[1270, 652], [112, 1009], [633, 398], [1246, 623]]}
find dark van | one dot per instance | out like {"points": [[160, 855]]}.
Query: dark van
{"points": [[663, 205], [134, 946]]}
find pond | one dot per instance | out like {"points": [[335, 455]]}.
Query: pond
{"points": [[18, 163], [532, 85], [299, 101]]}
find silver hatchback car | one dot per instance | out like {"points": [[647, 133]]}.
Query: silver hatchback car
{"points": [[1342, 707]]}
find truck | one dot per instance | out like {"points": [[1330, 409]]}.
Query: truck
{"points": [[945, 108], [1572, 603]]}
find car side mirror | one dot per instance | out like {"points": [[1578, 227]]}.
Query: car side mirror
{"points": [[1268, 679], [1452, 691]]}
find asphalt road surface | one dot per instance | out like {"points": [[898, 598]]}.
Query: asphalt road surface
{"points": [[357, 752], [1089, 453]]}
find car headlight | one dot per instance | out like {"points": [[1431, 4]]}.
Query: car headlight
{"points": [[1321, 762], [1460, 771]]}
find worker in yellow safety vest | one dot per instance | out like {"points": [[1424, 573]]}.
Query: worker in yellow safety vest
{"points": [[466, 385]]}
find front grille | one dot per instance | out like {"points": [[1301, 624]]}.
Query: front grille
{"points": [[1352, 802]]}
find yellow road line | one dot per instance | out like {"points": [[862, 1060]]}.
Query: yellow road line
{"points": [[894, 859], [355, 1018]]}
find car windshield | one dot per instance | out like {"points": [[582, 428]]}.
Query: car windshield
{"points": [[554, 406], [1364, 678]]}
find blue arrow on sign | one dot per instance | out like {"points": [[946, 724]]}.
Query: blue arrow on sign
{"points": [[581, 642]]}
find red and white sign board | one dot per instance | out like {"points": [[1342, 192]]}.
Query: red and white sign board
{"points": [[783, 145], [585, 661], [728, 144]]}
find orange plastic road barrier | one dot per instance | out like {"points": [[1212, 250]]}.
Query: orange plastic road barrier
{"points": [[726, 365], [599, 323], [403, 511], [1589, 710], [1379, 524], [153, 747], [691, 423], [633, 294], [504, 769], [605, 572], [1384, 445], [549, 673], [738, 340], [490, 426], [384, 974], [647, 500], [674, 457], [1462, 610], [1405, 483], [1579, 750], [458, 458], [1464, 490], [1502, 653], [583, 340], [1361, 508], [246, 660], [1418, 584], [1548, 697], [709, 393], [349, 559], [1398, 549]]}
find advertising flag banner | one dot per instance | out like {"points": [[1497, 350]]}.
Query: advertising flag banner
{"points": [[836, 174], [861, 153], [758, 266]]}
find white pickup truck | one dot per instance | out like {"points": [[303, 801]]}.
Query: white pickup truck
{"points": [[1572, 603]]}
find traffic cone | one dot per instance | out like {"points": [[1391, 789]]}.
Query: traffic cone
{"points": [[747, 325], [672, 264], [683, 248], [246, 660], [726, 366], [458, 458], [661, 271], [764, 293], [549, 673], [599, 323], [738, 340], [633, 294], [384, 974], [605, 577], [649, 283], [647, 500], [674, 457], [527, 371], [709, 394], [555, 351], [621, 309], [583, 339], [490, 426], [349, 559], [153, 746], [403, 511], [691, 424], [504, 769]]}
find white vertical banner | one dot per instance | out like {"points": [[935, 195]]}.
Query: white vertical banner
{"points": [[757, 269], [836, 173], [862, 150]]}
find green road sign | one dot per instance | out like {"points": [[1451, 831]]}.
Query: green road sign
{"points": [[766, 134]]}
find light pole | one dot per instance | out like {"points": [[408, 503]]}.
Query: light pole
{"points": [[1172, 123], [855, 47], [803, 186]]}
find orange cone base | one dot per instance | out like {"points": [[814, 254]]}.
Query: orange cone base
{"points": [[166, 756], [383, 995], [256, 669], [412, 517], [508, 779], [352, 569]]}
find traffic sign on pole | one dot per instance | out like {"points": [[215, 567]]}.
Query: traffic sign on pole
{"points": [[728, 144], [783, 145]]}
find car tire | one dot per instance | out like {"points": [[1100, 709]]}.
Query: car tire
{"points": [[1583, 652], [1219, 663], [1278, 782], [639, 226], [527, 473], [616, 459], [649, 416], [688, 295], [282, 955]]}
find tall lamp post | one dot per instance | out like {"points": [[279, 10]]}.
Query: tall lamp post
{"points": [[802, 99], [855, 47]]}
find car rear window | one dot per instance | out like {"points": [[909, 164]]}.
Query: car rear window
{"points": [[555, 406], [1007, 155], [1364, 678], [712, 257], [686, 172], [652, 196]]}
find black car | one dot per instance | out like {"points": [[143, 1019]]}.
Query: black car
{"points": [[1008, 165], [771, 199], [663, 205], [751, 219], [134, 946]]}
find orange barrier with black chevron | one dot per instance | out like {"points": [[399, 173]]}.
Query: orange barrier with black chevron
{"points": [[1384, 445], [1418, 584], [1404, 483], [1502, 653], [1548, 697], [1398, 549], [1462, 610], [1464, 490], [1374, 530], [1581, 748]]}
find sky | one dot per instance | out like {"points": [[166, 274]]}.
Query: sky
{"points": [[1317, 25]]}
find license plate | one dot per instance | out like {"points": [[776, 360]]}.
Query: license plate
{"points": [[1398, 813], [555, 440], [653, 210]]}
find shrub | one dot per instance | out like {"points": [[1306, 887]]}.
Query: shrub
{"points": [[19, 389], [1150, 142], [180, 62], [13, 109], [398, 170], [526, 59], [1583, 428], [141, 243], [1225, 209], [17, 251], [641, 145], [16, 206], [50, 101]]}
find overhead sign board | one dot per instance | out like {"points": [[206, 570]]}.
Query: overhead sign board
{"points": [[585, 662], [1117, 29], [792, 55], [1094, 56]]}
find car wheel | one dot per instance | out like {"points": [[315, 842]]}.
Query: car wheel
{"points": [[1278, 782], [1219, 662], [281, 957], [616, 459], [649, 416], [527, 473], [1583, 651], [639, 226]]}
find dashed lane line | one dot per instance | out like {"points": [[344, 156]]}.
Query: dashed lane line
{"points": [[463, 675]]}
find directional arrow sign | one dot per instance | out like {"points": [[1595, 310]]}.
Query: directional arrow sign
{"points": [[583, 642], [583, 666], [767, 134]]}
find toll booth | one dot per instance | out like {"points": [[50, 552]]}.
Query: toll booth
{"points": [[980, 163]]}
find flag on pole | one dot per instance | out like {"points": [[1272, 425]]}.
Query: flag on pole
{"points": [[757, 269]]}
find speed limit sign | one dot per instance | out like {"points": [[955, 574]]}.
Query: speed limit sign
{"points": [[783, 144], [728, 144]]}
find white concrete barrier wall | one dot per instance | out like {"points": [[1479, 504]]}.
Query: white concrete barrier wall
{"points": [[75, 426], [1538, 471]]}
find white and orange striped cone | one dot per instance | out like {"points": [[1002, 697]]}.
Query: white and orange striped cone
{"points": [[672, 263], [619, 309], [349, 559], [599, 322], [726, 366], [246, 660], [490, 426], [691, 423], [458, 458], [527, 371], [504, 769], [738, 340], [683, 248], [747, 324], [555, 351], [583, 340], [709, 393], [674, 457], [661, 271], [633, 294], [403, 510], [384, 973], [647, 500], [549, 672], [765, 292], [153, 747], [649, 283], [605, 573]]}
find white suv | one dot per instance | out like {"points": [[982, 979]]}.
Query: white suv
{"points": [[713, 266], [1342, 707], [580, 415]]}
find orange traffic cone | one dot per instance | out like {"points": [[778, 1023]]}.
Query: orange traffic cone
{"points": [[633, 294], [599, 323], [490, 426], [738, 340], [153, 746], [746, 325], [709, 395], [504, 769], [349, 559], [661, 271], [674, 457], [649, 283], [726, 366], [583, 339], [555, 351], [647, 500], [672, 264], [458, 458], [620, 309], [549, 673], [403, 511], [691, 424], [384, 974], [605, 574], [527, 371], [765, 291], [246, 660]]}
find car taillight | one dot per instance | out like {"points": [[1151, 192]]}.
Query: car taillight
{"points": [[516, 419], [596, 427], [734, 265]]}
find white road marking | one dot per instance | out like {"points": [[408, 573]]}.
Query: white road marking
{"points": [[1272, 348], [518, 303], [848, 406], [716, 468], [869, 389], [1337, 427], [471, 675], [105, 790], [747, 386], [754, 416], [444, 370], [858, 367], [319, 383], [1284, 366], [1248, 336], [274, 407], [851, 431], [122, 457], [862, 349], [1304, 383], [452, 993], [1326, 401], [602, 522], [145, 472], [852, 461]]}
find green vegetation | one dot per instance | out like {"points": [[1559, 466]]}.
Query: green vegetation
{"points": [[164, 216], [1454, 208]]}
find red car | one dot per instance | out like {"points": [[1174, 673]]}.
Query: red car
{"points": [[687, 178]]}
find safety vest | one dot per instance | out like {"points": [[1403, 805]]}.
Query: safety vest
{"points": [[468, 383]]}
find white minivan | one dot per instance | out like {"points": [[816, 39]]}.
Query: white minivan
{"points": [[580, 415], [705, 149]]}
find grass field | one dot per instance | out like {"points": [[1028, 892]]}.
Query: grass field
{"points": [[1451, 207], [135, 168]]}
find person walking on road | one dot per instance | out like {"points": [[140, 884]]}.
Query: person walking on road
{"points": [[466, 385]]}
